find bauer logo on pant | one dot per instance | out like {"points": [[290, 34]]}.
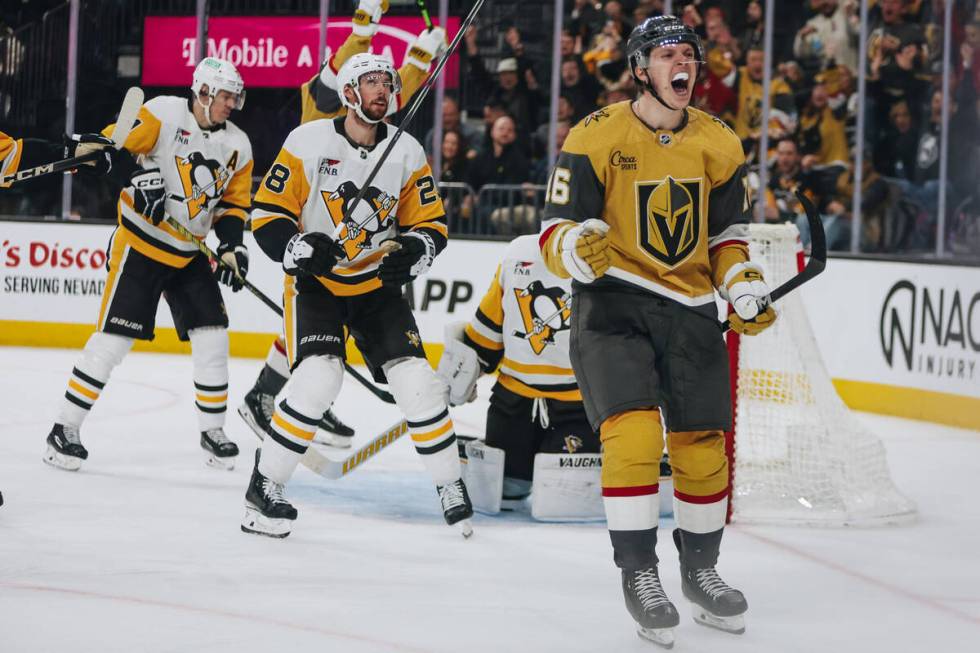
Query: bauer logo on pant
{"points": [[669, 214]]}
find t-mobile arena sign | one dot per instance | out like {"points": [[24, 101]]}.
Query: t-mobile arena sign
{"points": [[269, 51]]}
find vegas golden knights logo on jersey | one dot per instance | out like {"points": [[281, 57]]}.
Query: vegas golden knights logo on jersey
{"points": [[669, 214], [371, 216], [544, 311]]}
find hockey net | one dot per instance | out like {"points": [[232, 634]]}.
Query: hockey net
{"points": [[799, 454]]}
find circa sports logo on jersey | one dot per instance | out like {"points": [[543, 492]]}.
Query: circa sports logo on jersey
{"points": [[371, 218], [545, 311], [622, 161], [669, 216], [203, 180]]}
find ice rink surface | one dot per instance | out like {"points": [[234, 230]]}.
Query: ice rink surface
{"points": [[141, 551]]}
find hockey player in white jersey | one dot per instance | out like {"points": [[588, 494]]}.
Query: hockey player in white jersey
{"points": [[522, 327], [303, 200], [184, 160], [320, 100]]}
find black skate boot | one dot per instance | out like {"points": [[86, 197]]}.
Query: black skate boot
{"points": [[655, 615], [259, 403], [65, 448], [221, 451], [713, 602], [333, 432], [266, 510], [456, 505]]}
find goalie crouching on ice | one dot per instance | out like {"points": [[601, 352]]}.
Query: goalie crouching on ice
{"points": [[537, 431]]}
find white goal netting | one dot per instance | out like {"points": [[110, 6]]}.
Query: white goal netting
{"points": [[800, 456]]}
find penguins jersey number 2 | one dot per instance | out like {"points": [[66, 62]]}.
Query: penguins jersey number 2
{"points": [[212, 170]]}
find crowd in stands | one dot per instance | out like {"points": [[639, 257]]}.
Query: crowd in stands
{"points": [[811, 129]]}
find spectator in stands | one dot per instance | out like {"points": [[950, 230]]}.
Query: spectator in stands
{"points": [[455, 157], [514, 49], [585, 20], [786, 178], [898, 77], [897, 145], [568, 45], [566, 114], [616, 18], [720, 40], [752, 33], [540, 171], [451, 120], [970, 50], [829, 37], [503, 162], [519, 101], [580, 87], [747, 83], [824, 143]]}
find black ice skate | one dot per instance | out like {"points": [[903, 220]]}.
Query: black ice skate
{"points": [[713, 602], [456, 506], [646, 601], [266, 510], [256, 410], [65, 448], [333, 432], [220, 450]]}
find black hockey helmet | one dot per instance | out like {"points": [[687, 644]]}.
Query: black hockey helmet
{"points": [[658, 31]]}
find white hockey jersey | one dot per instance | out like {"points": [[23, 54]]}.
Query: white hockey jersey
{"points": [[212, 167], [523, 321], [318, 173]]}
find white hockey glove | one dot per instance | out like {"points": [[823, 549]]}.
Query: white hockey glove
{"points": [[310, 253], [368, 15], [459, 367], [235, 266], [149, 194], [428, 45], [412, 259], [585, 250], [748, 294]]}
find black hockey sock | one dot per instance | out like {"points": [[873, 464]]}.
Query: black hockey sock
{"points": [[698, 550], [634, 549]]}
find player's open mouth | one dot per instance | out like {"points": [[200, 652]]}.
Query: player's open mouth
{"points": [[679, 83]]}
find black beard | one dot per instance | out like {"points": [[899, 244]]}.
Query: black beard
{"points": [[374, 114]]}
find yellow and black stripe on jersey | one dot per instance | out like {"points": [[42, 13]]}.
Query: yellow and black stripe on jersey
{"points": [[320, 101], [676, 201], [24, 153], [10, 153]]}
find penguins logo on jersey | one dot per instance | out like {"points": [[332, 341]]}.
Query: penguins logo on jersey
{"points": [[669, 214], [202, 180], [371, 217], [544, 312]]}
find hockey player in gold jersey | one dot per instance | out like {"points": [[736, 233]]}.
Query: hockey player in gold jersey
{"points": [[647, 212], [320, 101], [339, 277], [184, 160], [17, 153]]}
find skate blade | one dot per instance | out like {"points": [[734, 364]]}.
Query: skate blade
{"points": [[249, 419], [734, 625], [465, 528], [227, 463], [660, 636], [256, 523], [56, 459], [332, 439]]}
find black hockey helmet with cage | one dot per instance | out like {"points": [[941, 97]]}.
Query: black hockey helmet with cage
{"points": [[658, 31]]}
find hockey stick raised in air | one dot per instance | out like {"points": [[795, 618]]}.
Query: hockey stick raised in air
{"points": [[212, 255], [314, 460], [818, 255], [425, 14], [412, 110], [124, 125]]}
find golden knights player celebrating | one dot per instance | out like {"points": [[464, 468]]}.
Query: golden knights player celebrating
{"points": [[522, 327], [320, 101], [304, 199], [186, 160], [647, 211]]}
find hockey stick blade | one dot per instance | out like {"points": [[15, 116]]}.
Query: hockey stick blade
{"points": [[262, 297], [128, 112], [334, 469], [818, 255]]}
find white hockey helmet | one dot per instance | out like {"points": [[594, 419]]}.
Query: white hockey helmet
{"points": [[218, 75], [363, 64]]}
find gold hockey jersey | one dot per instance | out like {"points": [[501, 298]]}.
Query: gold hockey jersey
{"points": [[676, 200], [211, 167], [317, 173], [10, 152], [523, 323], [320, 101]]}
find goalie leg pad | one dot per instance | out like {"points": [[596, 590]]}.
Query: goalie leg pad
{"points": [[209, 350], [102, 353], [567, 487], [483, 474], [421, 397], [312, 389]]}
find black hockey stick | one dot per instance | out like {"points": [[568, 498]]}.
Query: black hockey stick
{"points": [[818, 255], [212, 255], [412, 110]]}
